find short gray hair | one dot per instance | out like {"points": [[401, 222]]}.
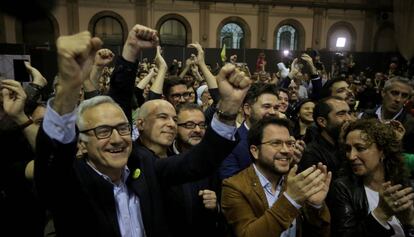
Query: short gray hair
{"points": [[397, 79], [88, 104]]}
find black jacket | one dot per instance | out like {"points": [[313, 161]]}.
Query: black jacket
{"points": [[320, 150], [349, 209]]}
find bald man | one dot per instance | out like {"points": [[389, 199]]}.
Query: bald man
{"points": [[117, 188], [157, 126]]}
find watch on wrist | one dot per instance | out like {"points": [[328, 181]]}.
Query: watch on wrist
{"points": [[26, 124], [226, 116]]}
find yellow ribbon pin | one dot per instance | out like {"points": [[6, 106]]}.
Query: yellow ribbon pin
{"points": [[136, 174]]}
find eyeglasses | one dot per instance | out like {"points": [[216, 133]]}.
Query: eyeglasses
{"points": [[105, 131], [192, 125], [278, 144], [177, 96]]}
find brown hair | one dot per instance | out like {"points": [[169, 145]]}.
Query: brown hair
{"points": [[386, 140]]}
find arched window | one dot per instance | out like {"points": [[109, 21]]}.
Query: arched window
{"points": [[287, 38], [341, 37], [232, 35], [173, 33], [110, 30]]}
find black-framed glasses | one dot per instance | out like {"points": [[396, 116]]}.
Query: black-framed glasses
{"points": [[192, 125], [177, 96], [105, 131], [278, 144]]}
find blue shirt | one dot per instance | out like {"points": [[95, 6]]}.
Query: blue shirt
{"points": [[128, 209], [273, 196]]}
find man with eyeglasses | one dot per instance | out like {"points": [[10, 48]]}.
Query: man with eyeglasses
{"points": [[269, 198], [176, 92], [261, 101], [191, 127], [192, 207], [117, 189], [395, 94]]}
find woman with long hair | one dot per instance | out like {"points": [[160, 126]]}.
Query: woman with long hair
{"points": [[373, 195]]}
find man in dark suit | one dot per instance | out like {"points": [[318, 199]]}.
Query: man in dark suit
{"points": [[261, 101], [116, 189]]}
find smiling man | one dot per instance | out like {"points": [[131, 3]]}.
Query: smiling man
{"points": [[269, 198], [340, 88], [117, 188], [157, 126], [191, 127], [329, 115], [261, 101], [192, 207]]}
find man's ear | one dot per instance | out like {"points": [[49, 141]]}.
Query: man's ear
{"points": [[254, 151], [321, 121], [246, 109], [82, 147], [140, 124]]}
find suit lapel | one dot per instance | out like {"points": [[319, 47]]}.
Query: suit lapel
{"points": [[257, 187], [138, 183]]}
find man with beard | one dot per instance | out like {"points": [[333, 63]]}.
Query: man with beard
{"points": [[192, 206], [330, 114], [396, 92], [261, 101], [339, 87], [269, 198], [191, 127]]}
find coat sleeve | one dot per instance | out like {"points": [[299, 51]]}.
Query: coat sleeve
{"points": [[197, 163], [229, 167], [53, 165], [122, 85]]}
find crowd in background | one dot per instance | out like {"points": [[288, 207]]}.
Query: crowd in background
{"points": [[128, 148]]}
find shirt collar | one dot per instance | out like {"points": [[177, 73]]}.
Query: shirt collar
{"points": [[263, 180], [124, 175], [175, 149], [378, 112], [245, 125]]}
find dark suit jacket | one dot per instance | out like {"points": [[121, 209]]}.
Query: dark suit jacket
{"points": [[239, 159], [247, 211], [82, 202]]}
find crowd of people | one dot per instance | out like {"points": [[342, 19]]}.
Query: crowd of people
{"points": [[129, 148]]}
